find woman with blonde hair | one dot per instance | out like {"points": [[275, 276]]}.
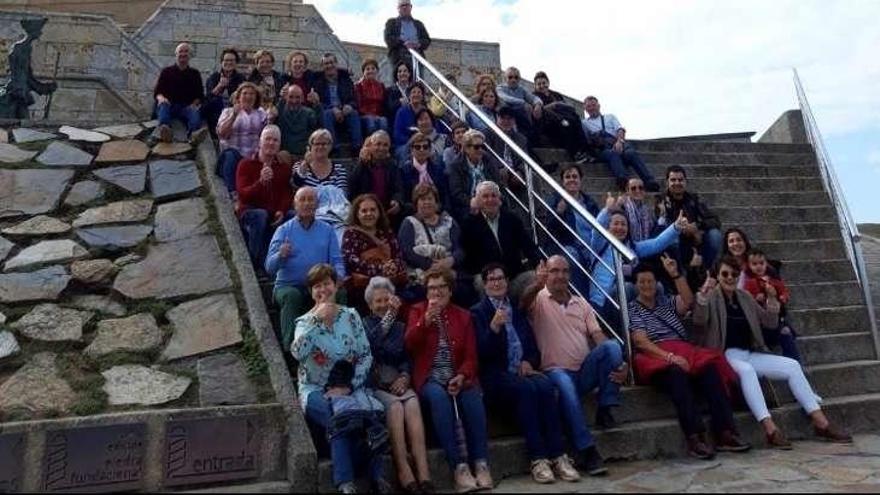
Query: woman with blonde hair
{"points": [[239, 129], [265, 75], [316, 169]]}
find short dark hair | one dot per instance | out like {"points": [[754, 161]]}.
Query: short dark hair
{"points": [[568, 166], [444, 273], [491, 267], [320, 273], [541, 75], [423, 190], [232, 51], [677, 169], [643, 268], [458, 125], [728, 260], [369, 61], [415, 85], [591, 97], [430, 114], [755, 252], [329, 55]]}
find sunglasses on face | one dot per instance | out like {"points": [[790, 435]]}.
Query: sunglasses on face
{"points": [[418, 147], [636, 188], [476, 146], [728, 274]]}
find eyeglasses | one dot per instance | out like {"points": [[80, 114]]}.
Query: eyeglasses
{"points": [[513, 78], [636, 188], [421, 146], [437, 287], [321, 143], [728, 274], [476, 146], [497, 278]]}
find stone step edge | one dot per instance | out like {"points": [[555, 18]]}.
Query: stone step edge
{"points": [[265, 487]]}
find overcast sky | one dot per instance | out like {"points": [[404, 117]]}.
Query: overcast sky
{"points": [[684, 67]]}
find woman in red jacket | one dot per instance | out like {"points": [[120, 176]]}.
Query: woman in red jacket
{"points": [[441, 341], [370, 95]]}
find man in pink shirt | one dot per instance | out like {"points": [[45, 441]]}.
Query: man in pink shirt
{"points": [[565, 327]]}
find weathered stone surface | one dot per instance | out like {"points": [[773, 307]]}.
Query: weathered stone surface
{"points": [[8, 345], [114, 238], [170, 178], [84, 192], [31, 192], [46, 252], [131, 384], [2, 318], [4, 136], [37, 387], [131, 178], [137, 333], [171, 149], [40, 285], [120, 212], [181, 219], [223, 380], [25, 135], [10, 153], [123, 151], [39, 225], [150, 124], [77, 134], [5, 248], [52, 323], [93, 271], [59, 154], [191, 266], [127, 259], [100, 304], [123, 131], [203, 325]]}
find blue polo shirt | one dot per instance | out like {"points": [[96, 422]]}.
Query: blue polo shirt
{"points": [[317, 244]]}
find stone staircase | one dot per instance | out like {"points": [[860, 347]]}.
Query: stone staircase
{"points": [[774, 192]]}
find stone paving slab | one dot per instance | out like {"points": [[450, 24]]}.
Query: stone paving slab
{"points": [[77, 134], [59, 154], [30, 191], [84, 192], [10, 153], [123, 131], [26, 135], [170, 178], [122, 151], [132, 178]]}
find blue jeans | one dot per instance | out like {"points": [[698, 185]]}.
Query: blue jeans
{"points": [[616, 162], [373, 123], [533, 400], [190, 116], [227, 164], [255, 227], [473, 416], [711, 248], [352, 120], [572, 385], [212, 109], [343, 451]]}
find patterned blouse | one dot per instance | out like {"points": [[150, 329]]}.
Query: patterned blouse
{"points": [[317, 348], [355, 242], [338, 177], [246, 130]]}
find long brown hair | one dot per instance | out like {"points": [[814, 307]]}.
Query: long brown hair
{"points": [[382, 224], [258, 102]]}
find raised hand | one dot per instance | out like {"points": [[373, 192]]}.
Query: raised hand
{"points": [[541, 273], [670, 265], [610, 202], [771, 292], [697, 259], [499, 320], [286, 249], [681, 223], [709, 284], [266, 175]]}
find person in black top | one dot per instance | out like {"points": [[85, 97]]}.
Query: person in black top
{"points": [[704, 226], [335, 89], [178, 95], [559, 123], [220, 86]]}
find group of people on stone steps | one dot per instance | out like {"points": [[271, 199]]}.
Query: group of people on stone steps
{"points": [[407, 286]]}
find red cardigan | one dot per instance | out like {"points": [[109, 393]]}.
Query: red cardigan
{"points": [[370, 97], [421, 343], [252, 194]]}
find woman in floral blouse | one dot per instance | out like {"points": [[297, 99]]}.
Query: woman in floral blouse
{"points": [[370, 248], [325, 335]]}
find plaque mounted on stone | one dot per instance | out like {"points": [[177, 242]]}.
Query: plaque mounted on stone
{"points": [[99, 459], [11, 466], [209, 450]]}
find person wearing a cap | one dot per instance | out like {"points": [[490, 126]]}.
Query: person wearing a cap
{"points": [[404, 32]]}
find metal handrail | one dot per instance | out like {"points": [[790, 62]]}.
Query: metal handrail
{"points": [[620, 251], [848, 228]]}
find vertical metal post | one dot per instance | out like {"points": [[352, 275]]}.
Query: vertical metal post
{"points": [[862, 273], [462, 113], [530, 188], [624, 314], [415, 68]]}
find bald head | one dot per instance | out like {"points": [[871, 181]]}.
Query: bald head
{"points": [[558, 275], [305, 202], [294, 96], [182, 52]]}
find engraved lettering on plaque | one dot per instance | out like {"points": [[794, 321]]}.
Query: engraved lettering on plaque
{"points": [[100, 459], [11, 468], [207, 450]]}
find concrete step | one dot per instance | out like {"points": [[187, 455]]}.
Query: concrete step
{"points": [[839, 348], [777, 214], [266, 487], [825, 294], [830, 320], [802, 250], [719, 147], [651, 439], [838, 380], [721, 185], [676, 158], [760, 199], [598, 170], [761, 232], [809, 271]]}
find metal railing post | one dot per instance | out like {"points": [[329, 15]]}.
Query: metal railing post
{"points": [[530, 181], [624, 316]]}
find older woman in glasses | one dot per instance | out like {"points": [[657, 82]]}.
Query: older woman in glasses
{"points": [[729, 319], [424, 168], [467, 172]]}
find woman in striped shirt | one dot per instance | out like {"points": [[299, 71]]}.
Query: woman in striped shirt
{"points": [[316, 169]]}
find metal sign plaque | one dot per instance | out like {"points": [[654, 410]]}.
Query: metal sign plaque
{"points": [[208, 450], [99, 459], [11, 465]]}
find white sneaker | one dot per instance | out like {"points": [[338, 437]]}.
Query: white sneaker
{"points": [[564, 469], [541, 472]]}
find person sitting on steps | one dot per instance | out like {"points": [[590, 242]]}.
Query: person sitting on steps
{"points": [[179, 95]]}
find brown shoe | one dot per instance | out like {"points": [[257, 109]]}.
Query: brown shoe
{"points": [[166, 135], [832, 434], [698, 448], [777, 440], [728, 441]]}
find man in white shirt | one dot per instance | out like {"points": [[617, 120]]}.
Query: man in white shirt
{"points": [[608, 140]]}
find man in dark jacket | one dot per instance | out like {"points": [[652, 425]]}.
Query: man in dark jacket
{"points": [[704, 228], [466, 173], [335, 89], [179, 95], [511, 380], [220, 86], [506, 120], [494, 235], [404, 32]]}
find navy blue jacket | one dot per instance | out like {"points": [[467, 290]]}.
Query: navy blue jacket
{"points": [[492, 347], [344, 88], [411, 178]]}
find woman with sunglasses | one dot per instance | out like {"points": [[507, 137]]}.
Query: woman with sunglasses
{"points": [[467, 172], [729, 319], [423, 168]]}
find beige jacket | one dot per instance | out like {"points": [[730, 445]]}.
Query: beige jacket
{"points": [[710, 319]]}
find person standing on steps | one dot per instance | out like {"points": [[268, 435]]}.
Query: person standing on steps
{"points": [[608, 138], [179, 95], [576, 356], [403, 33]]}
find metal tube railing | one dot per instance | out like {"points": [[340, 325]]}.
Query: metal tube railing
{"points": [[848, 228]]}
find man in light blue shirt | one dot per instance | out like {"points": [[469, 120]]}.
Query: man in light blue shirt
{"points": [[299, 244], [524, 104]]}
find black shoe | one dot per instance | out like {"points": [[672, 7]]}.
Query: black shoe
{"points": [[590, 462], [604, 419], [582, 157], [426, 486], [699, 449], [379, 485]]}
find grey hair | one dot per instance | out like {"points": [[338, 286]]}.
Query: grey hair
{"points": [[471, 135], [487, 184], [375, 284]]}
